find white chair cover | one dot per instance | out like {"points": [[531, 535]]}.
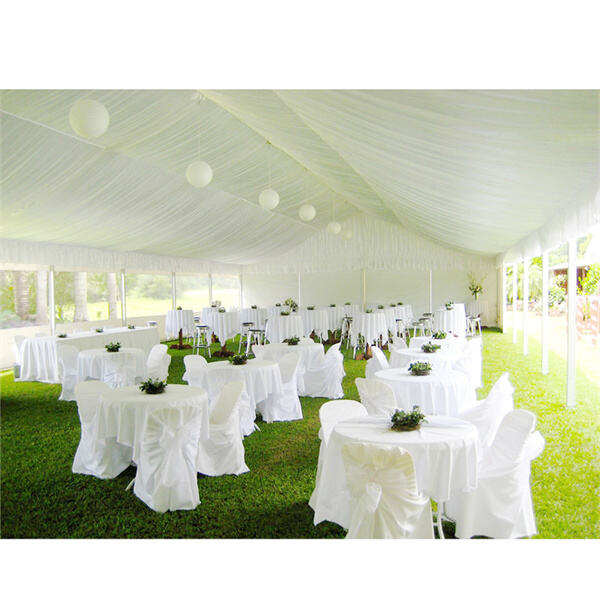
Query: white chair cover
{"points": [[384, 499], [102, 458], [326, 381], [397, 343], [223, 452], [334, 411], [18, 341], [378, 362], [194, 367], [166, 478], [471, 362], [501, 505], [67, 360], [306, 340], [376, 396], [487, 414], [158, 362], [284, 407]]}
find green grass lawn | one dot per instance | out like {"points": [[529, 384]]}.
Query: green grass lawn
{"points": [[42, 498]]}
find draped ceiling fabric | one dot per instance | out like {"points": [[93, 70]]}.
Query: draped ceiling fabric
{"points": [[478, 173]]}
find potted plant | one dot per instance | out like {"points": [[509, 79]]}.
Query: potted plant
{"points": [[420, 369], [407, 421], [292, 304], [239, 359], [113, 346], [475, 285], [153, 386], [293, 341], [430, 348]]}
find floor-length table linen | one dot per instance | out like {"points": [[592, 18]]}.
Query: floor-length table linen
{"points": [[316, 320], [206, 314], [310, 356], [179, 319], [451, 320], [96, 363], [256, 316], [336, 314], [39, 359], [444, 452], [439, 393], [280, 328], [477, 308], [124, 412], [225, 325], [370, 326]]}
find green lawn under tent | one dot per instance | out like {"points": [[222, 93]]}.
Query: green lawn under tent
{"points": [[42, 498]]}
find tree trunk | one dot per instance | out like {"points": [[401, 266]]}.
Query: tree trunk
{"points": [[21, 294], [111, 288], [80, 293], [41, 298]]}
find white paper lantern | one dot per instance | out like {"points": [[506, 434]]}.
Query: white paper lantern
{"points": [[347, 234], [268, 199], [89, 118], [334, 227], [307, 212], [199, 173]]}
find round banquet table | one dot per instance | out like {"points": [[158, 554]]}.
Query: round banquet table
{"points": [[451, 321], [370, 326], [281, 327], [390, 317], [316, 320], [257, 316], [455, 345], [225, 325], [98, 363], [124, 412], [310, 356], [477, 308], [444, 452], [336, 314], [179, 319], [440, 360], [439, 393]]}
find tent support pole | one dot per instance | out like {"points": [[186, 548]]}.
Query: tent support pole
{"points": [[299, 291], [123, 301], [514, 299], [503, 306], [525, 306], [545, 313], [571, 322], [210, 293], [174, 289], [364, 289], [242, 286], [430, 291], [51, 301]]}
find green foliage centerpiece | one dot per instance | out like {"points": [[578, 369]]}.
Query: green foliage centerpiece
{"points": [[347, 303], [430, 348], [310, 308], [449, 305], [380, 307], [293, 341], [239, 359], [475, 285], [285, 313], [62, 335], [420, 368], [153, 386], [400, 303], [99, 330], [130, 326], [332, 306], [254, 306], [292, 304], [369, 311], [439, 335], [113, 346], [178, 308], [408, 421], [222, 310]]}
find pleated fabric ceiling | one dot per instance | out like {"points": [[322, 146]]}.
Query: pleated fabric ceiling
{"points": [[476, 171]]}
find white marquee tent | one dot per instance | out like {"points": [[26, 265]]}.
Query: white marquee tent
{"points": [[427, 186]]}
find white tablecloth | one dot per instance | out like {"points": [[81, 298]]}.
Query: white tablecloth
{"points": [[124, 412], [444, 452], [336, 314], [405, 313], [440, 360], [179, 319], [96, 363], [451, 321], [439, 393], [253, 315], [310, 355], [281, 328], [478, 307], [206, 314], [369, 325], [455, 345], [316, 320], [390, 317], [39, 359], [225, 325]]}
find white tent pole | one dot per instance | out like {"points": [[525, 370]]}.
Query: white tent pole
{"points": [[210, 293], [525, 306], [174, 289], [503, 309], [545, 313], [51, 301], [430, 291], [364, 289], [571, 322], [299, 291], [123, 301], [242, 286], [514, 299]]}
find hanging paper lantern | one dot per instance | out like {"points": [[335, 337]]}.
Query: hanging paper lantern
{"points": [[307, 212], [268, 199], [334, 227], [89, 118], [347, 234], [199, 174]]}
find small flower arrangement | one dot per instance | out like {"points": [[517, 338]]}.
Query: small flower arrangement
{"points": [[285, 313], [392, 305], [332, 306], [213, 305], [222, 310], [293, 341], [179, 308], [239, 359], [62, 335], [113, 346], [369, 311], [99, 329], [310, 308], [449, 305], [420, 368], [439, 335], [153, 386], [408, 421], [277, 303], [254, 306], [475, 285], [400, 303], [130, 326], [430, 348], [380, 306], [347, 303], [291, 303]]}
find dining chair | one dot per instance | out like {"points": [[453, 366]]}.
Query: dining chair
{"points": [[501, 505], [385, 502], [223, 452], [284, 407], [158, 362], [334, 411], [325, 380], [195, 367], [69, 374], [378, 362], [376, 396]]}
